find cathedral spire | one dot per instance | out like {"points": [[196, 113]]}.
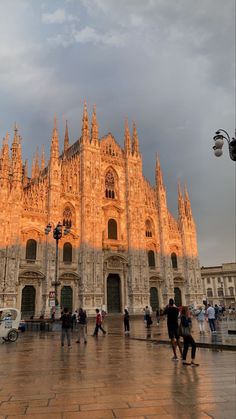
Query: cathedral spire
{"points": [[66, 138], [16, 138], [33, 168], [25, 176], [127, 141], [36, 168], [181, 207], [5, 157], [94, 127], [135, 142], [43, 158], [54, 152], [159, 178], [85, 126], [16, 158], [188, 209]]}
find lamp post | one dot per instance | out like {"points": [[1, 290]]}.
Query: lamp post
{"points": [[219, 138], [222, 289], [58, 232]]}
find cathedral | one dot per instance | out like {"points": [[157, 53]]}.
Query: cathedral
{"points": [[119, 246]]}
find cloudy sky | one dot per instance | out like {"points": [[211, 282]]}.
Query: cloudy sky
{"points": [[168, 65]]}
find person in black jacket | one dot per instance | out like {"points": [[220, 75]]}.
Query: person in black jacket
{"points": [[66, 320], [82, 323], [126, 321]]}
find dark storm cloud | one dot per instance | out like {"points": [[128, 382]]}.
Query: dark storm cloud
{"points": [[167, 65]]}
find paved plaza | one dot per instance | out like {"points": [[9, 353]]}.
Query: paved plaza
{"points": [[114, 376]]}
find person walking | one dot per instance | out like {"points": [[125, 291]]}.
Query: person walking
{"points": [[172, 313], [82, 325], [185, 327], [66, 326], [158, 316], [148, 317], [200, 316], [98, 324], [211, 318], [126, 321]]}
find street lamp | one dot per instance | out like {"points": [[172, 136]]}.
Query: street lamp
{"points": [[222, 289], [58, 232], [219, 138]]}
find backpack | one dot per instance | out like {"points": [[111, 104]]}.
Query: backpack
{"points": [[66, 321]]}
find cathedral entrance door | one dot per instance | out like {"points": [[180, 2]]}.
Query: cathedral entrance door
{"points": [[154, 300], [28, 301], [178, 297], [66, 297], [113, 293]]}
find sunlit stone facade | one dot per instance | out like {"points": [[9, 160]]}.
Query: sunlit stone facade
{"points": [[125, 248]]}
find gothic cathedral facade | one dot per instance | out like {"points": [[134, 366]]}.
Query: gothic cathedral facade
{"points": [[124, 248]]}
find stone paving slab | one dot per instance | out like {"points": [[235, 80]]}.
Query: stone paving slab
{"points": [[112, 377]]}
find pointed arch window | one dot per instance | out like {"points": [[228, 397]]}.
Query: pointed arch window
{"points": [[151, 259], [110, 185], [67, 217], [67, 253], [174, 261], [31, 250], [148, 228], [112, 229]]}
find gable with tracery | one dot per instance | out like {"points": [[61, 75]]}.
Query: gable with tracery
{"points": [[110, 148]]}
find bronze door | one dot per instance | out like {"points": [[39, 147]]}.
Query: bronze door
{"points": [[178, 297], [154, 301], [28, 301], [113, 294], [66, 297]]}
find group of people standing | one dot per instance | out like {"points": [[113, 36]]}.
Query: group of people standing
{"points": [[179, 324], [81, 320], [210, 314]]}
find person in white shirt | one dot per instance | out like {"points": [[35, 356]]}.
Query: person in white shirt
{"points": [[211, 318], [200, 316]]}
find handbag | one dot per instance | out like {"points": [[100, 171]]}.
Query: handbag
{"points": [[184, 330]]}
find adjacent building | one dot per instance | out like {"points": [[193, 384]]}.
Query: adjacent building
{"points": [[219, 284], [124, 249]]}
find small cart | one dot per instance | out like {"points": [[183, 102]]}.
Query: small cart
{"points": [[9, 323]]}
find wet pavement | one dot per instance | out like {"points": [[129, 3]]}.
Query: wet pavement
{"points": [[115, 376]]}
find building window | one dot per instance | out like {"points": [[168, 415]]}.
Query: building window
{"points": [[67, 217], [67, 253], [231, 291], [31, 249], [220, 292], [112, 229], [110, 185], [208, 280], [209, 292], [151, 259], [174, 261], [148, 228]]}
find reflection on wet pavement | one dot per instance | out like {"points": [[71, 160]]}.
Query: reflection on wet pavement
{"points": [[113, 376]]}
